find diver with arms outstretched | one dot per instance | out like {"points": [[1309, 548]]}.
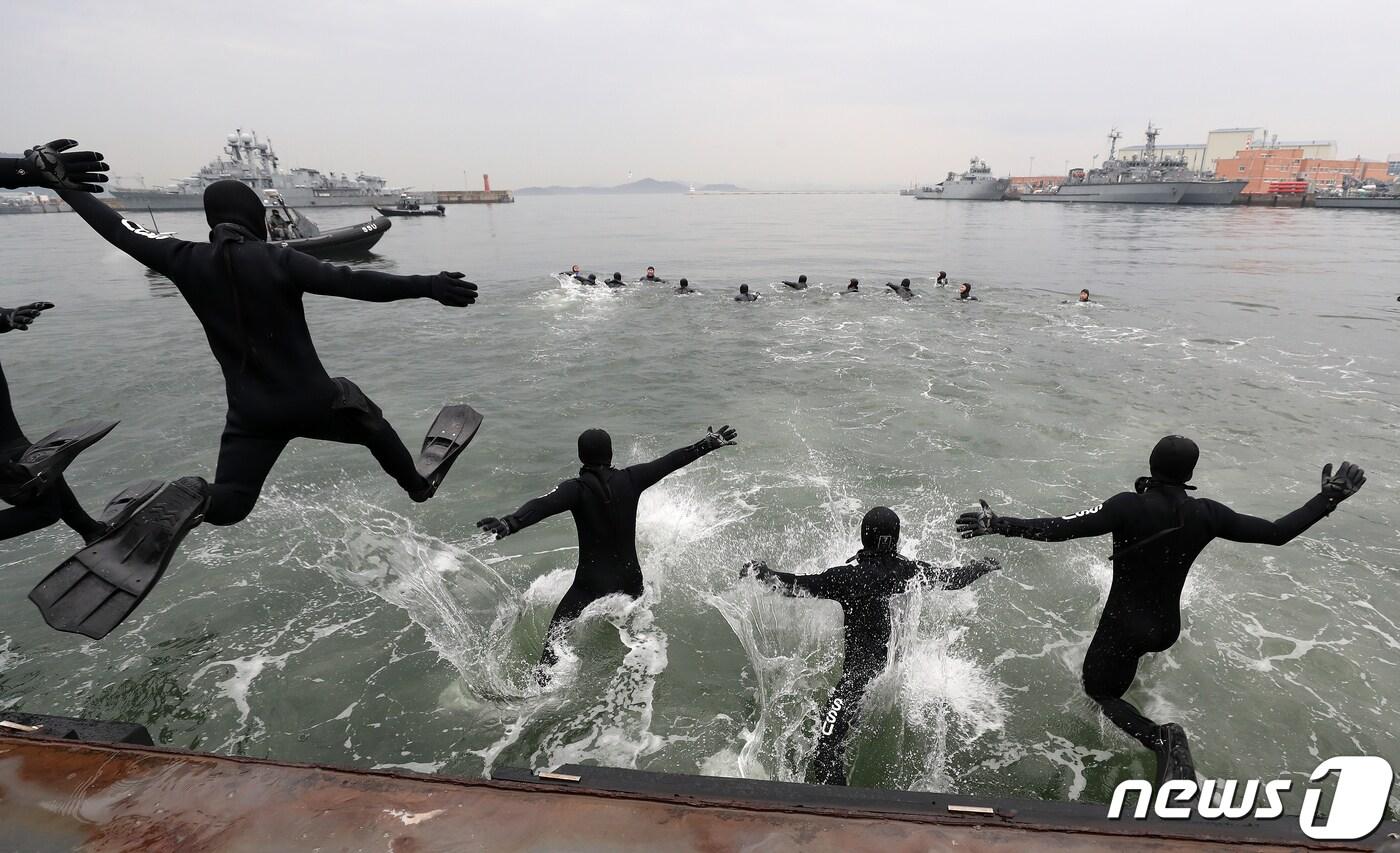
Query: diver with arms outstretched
{"points": [[247, 294], [863, 587], [1158, 531], [603, 500]]}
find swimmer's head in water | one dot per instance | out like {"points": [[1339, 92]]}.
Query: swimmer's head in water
{"points": [[575, 269], [879, 531], [651, 271], [904, 284], [685, 283], [595, 447], [234, 203], [964, 290], [592, 276], [743, 288], [617, 276], [1173, 460], [854, 284], [1084, 295], [802, 279]]}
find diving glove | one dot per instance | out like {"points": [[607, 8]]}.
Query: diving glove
{"points": [[20, 318], [979, 522], [451, 289], [499, 527], [754, 568], [50, 167], [1346, 482], [727, 436]]}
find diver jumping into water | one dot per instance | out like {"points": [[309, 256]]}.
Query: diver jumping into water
{"points": [[1158, 531], [863, 587], [247, 294], [31, 474], [603, 501]]}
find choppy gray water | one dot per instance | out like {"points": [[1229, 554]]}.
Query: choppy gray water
{"points": [[343, 623]]}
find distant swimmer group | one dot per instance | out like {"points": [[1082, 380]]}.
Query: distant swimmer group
{"points": [[246, 294], [904, 289]]}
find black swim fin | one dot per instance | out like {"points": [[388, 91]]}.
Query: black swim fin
{"points": [[125, 503], [449, 435], [1173, 755], [96, 588], [45, 460]]}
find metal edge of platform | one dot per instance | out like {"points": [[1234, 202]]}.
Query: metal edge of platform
{"points": [[926, 807], [787, 798]]}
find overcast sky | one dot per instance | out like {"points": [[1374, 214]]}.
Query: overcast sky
{"points": [[763, 94]]}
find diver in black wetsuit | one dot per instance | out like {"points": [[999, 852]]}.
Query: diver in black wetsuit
{"points": [[55, 503], [904, 289], [1158, 531], [853, 287], [965, 293], [942, 280], [247, 294], [603, 500], [615, 281], [650, 277], [744, 295], [863, 588], [800, 284], [685, 287]]}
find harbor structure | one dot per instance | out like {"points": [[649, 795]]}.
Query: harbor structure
{"points": [[1265, 167]]}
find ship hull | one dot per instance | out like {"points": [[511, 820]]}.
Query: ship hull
{"points": [[156, 200], [1361, 203], [1160, 193], [993, 190], [1212, 192]]}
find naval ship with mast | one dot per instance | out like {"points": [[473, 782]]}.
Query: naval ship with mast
{"points": [[976, 184], [254, 162], [1150, 179]]}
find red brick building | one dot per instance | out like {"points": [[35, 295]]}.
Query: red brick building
{"points": [[1265, 166]]}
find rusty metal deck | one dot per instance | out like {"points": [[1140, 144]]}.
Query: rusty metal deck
{"points": [[59, 795]]}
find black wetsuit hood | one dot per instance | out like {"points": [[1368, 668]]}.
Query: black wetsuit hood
{"points": [[234, 203], [595, 448], [1173, 462], [879, 531]]}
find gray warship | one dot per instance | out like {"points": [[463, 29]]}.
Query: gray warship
{"points": [[255, 163], [976, 184], [1151, 179]]}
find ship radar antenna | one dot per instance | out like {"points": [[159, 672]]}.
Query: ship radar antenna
{"points": [[1151, 150], [1113, 137]]}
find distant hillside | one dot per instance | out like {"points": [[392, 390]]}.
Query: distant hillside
{"points": [[645, 185], [720, 188]]}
